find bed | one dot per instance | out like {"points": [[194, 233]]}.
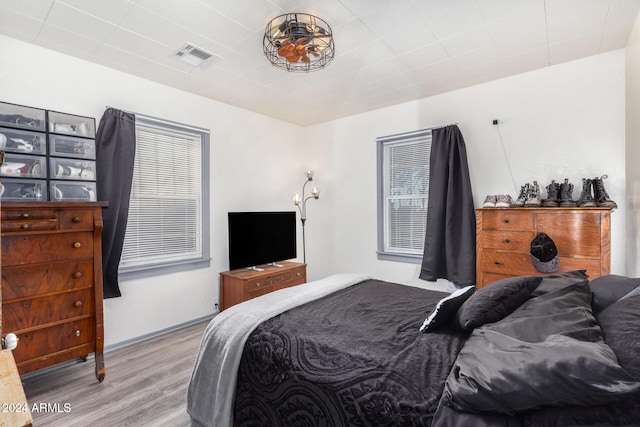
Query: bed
{"points": [[350, 350]]}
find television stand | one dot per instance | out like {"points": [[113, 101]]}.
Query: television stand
{"points": [[275, 264], [240, 285]]}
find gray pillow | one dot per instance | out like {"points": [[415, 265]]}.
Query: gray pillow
{"points": [[609, 289], [494, 302], [620, 323], [552, 282]]}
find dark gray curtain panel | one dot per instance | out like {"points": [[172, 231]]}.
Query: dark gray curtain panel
{"points": [[115, 151], [450, 240]]}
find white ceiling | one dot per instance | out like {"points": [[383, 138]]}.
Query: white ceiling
{"points": [[387, 51]]}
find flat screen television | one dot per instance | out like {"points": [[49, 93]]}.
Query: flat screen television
{"points": [[257, 238]]}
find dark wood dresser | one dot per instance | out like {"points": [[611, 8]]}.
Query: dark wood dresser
{"points": [[52, 282], [503, 240], [240, 285]]}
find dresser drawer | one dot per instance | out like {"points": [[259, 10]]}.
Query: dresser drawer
{"points": [[573, 235], [27, 213], [76, 220], [25, 249], [276, 281], [508, 263], [520, 264], [35, 279], [41, 342], [27, 225], [38, 311], [513, 241], [506, 220]]}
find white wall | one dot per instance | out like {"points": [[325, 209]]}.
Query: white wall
{"points": [[632, 62], [561, 121], [253, 167]]}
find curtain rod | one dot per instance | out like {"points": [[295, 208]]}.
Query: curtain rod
{"points": [[415, 132], [159, 120]]}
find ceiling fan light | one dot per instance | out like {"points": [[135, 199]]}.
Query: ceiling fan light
{"points": [[305, 34]]}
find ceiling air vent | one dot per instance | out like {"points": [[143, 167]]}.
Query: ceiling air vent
{"points": [[195, 56]]}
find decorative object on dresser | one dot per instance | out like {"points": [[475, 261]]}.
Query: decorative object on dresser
{"points": [[503, 240], [237, 286], [301, 202], [52, 282]]}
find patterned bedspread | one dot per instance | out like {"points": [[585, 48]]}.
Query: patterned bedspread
{"points": [[355, 357]]}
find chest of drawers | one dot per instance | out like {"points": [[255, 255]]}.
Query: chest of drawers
{"points": [[52, 282], [503, 240], [237, 286]]}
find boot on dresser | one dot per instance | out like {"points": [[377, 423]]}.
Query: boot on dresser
{"points": [[566, 195], [600, 194], [553, 191], [522, 197], [533, 198], [586, 198]]}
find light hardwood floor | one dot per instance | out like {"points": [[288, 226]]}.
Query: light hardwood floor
{"points": [[145, 385]]}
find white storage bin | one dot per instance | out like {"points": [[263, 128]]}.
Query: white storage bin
{"points": [[31, 190], [72, 191], [20, 116], [23, 166], [69, 124], [83, 170], [69, 146], [22, 141]]}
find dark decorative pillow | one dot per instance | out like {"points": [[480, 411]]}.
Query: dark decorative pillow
{"points": [[609, 289], [446, 309], [552, 282], [620, 323], [494, 302]]}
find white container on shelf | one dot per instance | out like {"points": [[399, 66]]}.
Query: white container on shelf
{"points": [[24, 190], [22, 141], [72, 191], [70, 146], [23, 166], [75, 169]]}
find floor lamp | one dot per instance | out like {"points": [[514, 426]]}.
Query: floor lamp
{"points": [[301, 202]]}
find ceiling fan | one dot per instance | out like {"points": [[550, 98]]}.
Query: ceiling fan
{"points": [[298, 42]]}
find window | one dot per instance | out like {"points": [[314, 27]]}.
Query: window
{"points": [[403, 193], [168, 224]]}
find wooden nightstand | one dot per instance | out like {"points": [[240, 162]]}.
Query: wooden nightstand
{"points": [[240, 285]]}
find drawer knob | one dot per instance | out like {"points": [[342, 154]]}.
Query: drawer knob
{"points": [[298, 274], [77, 332], [77, 304], [507, 240], [506, 221], [76, 219], [25, 215], [257, 284], [25, 226], [496, 262], [77, 274], [77, 245]]}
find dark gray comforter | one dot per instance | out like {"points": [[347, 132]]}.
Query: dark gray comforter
{"points": [[353, 358], [356, 358]]}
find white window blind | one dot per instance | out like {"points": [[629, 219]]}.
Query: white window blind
{"points": [[165, 223], [404, 164]]}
